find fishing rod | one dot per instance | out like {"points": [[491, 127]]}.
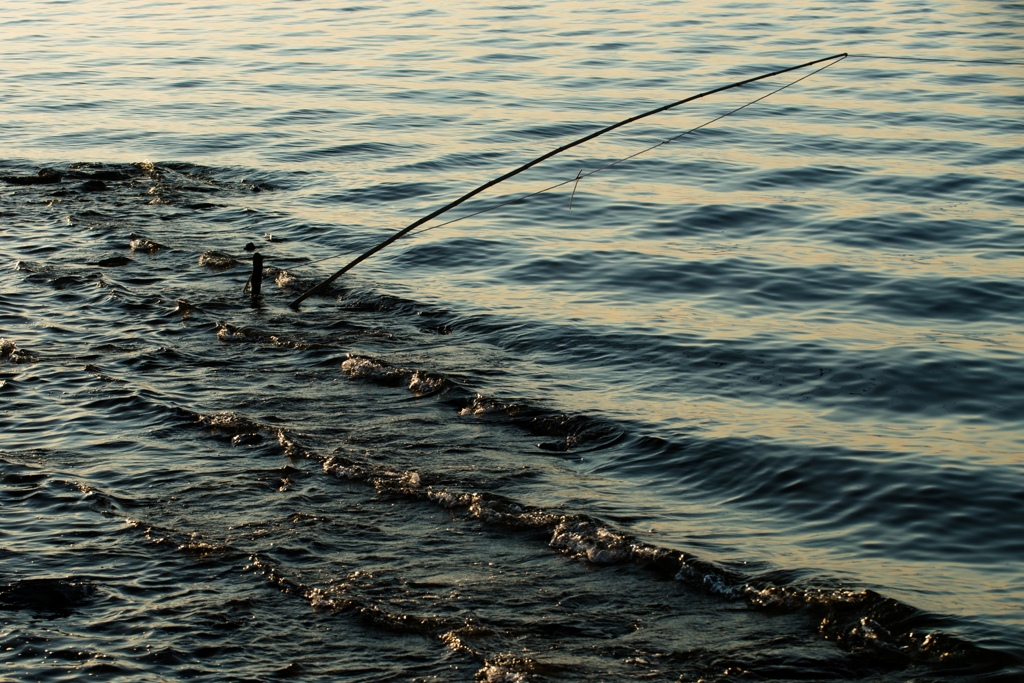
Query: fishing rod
{"points": [[581, 175], [530, 164]]}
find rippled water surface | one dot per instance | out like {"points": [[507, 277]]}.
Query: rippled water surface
{"points": [[750, 409]]}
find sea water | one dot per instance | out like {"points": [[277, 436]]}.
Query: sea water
{"points": [[751, 408]]}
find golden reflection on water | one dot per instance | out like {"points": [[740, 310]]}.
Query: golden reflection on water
{"points": [[789, 420], [357, 58], [454, 68]]}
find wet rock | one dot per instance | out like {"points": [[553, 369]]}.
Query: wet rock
{"points": [[93, 186], [46, 176], [292, 670], [217, 261], [65, 281], [257, 186], [55, 596], [226, 332], [250, 246], [148, 246], [114, 262], [185, 308]]}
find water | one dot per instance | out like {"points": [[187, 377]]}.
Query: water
{"points": [[751, 408]]}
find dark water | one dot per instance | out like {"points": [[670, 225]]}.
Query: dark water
{"points": [[751, 409]]}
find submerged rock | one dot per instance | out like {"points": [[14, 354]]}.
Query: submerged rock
{"points": [[9, 351], [93, 186], [148, 246], [114, 262], [46, 176], [217, 260], [46, 595], [184, 308]]}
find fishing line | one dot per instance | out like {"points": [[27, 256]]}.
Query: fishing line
{"points": [[998, 62], [574, 186], [530, 164], [906, 58], [582, 175]]}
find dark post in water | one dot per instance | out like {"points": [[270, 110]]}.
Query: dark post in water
{"points": [[256, 279]]}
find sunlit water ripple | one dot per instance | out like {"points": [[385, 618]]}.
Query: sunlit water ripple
{"points": [[751, 407]]}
